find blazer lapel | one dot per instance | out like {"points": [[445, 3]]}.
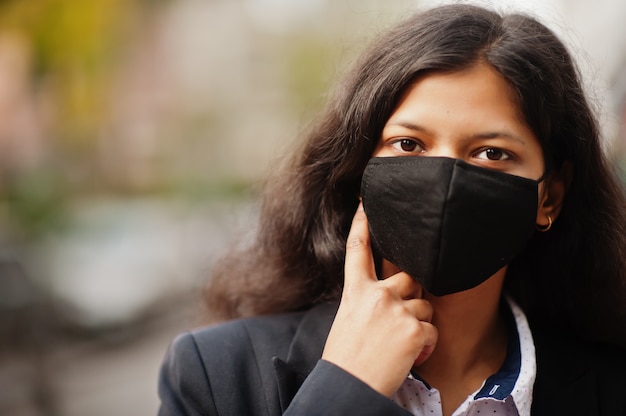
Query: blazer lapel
{"points": [[305, 351]]}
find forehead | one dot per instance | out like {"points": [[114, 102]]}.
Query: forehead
{"points": [[474, 89]]}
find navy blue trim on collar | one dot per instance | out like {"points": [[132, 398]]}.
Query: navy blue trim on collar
{"points": [[500, 385], [417, 377]]}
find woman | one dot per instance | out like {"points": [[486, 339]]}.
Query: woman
{"points": [[483, 272]]}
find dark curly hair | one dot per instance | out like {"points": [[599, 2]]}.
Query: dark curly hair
{"points": [[572, 277]]}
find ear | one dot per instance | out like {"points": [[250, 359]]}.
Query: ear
{"points": [[552, 195]]}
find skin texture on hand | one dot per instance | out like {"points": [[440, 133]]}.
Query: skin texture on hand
{"points": [[382, 328]]}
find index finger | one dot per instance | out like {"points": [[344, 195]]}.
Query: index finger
{"points": [[359, 263]]}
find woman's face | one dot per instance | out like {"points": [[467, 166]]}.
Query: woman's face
{"points": [[467, 115]]}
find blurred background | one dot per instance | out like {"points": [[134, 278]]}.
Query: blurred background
{"points": [[133, 137]]}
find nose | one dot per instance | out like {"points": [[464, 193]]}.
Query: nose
{"points": [[444, 150]]}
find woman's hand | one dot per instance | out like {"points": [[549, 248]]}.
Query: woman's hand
{"points": [[382, 327]]}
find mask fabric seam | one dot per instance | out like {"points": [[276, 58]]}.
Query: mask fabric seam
{"points": [[441, 219]]}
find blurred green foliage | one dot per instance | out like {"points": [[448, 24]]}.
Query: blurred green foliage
{"points": [[74, 47], [36, 204], [310, 70]]}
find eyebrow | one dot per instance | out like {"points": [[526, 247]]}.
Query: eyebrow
{"points": [[486, 135], [410, 126], [496, 134]]}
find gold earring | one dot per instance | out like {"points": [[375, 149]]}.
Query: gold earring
{"points": [[544, 228]]}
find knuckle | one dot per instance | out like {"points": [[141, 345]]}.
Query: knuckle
{"points": [[355, 243], [435, 332], [427, 307], [430, 333], [416, 331]]}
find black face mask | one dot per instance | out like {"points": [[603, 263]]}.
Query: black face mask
{"points": [[448, 224]]}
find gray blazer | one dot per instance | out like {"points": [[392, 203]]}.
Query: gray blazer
{"points": [[271, 366]]}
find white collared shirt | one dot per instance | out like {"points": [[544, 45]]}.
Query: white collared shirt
{"points": [[507, 393]]}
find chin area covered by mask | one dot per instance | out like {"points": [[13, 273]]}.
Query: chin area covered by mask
{"points": [[449, 224]]}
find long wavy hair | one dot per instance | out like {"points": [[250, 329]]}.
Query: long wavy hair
{"points": [[572, 277]]}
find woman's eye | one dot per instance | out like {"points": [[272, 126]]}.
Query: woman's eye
{"points": [[493, 153], [406, 145]]}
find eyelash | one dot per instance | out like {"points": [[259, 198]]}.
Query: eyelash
{"points": [[397, 144], [419, 147], [507, 155]]}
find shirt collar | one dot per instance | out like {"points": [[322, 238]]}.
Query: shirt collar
{"points": [[522, 392], [517, 375]]}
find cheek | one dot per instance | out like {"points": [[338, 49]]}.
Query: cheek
{"points": [[385, 152], [379, 150]]}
